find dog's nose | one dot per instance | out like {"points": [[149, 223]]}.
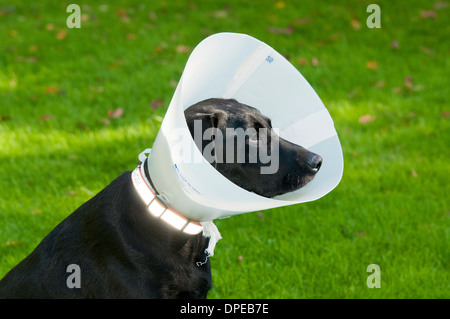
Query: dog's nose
{"points": [[314, 163]]}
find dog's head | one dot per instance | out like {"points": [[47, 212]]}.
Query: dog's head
{"points": [[242, 145]]}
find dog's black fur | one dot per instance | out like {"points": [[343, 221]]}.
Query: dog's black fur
{"points": [[123, 252]]}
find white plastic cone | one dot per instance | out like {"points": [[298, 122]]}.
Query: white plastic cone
{"points": [[230, 65]]}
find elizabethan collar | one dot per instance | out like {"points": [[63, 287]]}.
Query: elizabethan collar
{"points": [[230, 65]]}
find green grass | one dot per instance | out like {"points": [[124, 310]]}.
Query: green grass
{"points": [[58, 146]]}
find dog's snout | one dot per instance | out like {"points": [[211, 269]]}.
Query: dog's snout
{"points": [[314, 163]]}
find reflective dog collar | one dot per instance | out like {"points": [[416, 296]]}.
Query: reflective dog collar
{"points": [[158, 208]]}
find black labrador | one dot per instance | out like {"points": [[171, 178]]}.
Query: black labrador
{"points": [[124, 252]]}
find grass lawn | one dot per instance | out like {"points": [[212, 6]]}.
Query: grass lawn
{"points": [[78, 105]]}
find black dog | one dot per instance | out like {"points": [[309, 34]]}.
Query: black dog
{"points": [[124, 252]]}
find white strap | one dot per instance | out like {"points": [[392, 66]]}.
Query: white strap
{"points": [[210, 230], [142, 156]]}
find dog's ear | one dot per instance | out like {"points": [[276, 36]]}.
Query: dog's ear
{"points": [[212, 124], [214, 119]]}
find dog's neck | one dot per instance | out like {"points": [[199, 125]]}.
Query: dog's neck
{"points": [[159, 208]]}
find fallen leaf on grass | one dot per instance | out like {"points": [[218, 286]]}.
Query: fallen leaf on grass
{"points": [[51, 89], [397, 90], [280, 5], [105, 121], [302, 61], [156, 103], [81, 127], [425, 14], [183, 49], [45, 118], [366, 119], [33, 48], [427, 50], [408, 83], [355, 24], [173, 83], [408, 86], [276, 30], [380, 84], [361, 234], [352, 93], [131, 36], [445, 114], [61, 34], [36, 212], [152, 16], [12, 243], [440, 5], [122, 13], [158, 49], [116, 64], [414, 173], [115, 114], [372, 65], [220, 14], [395, 44], [302, 21]]}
